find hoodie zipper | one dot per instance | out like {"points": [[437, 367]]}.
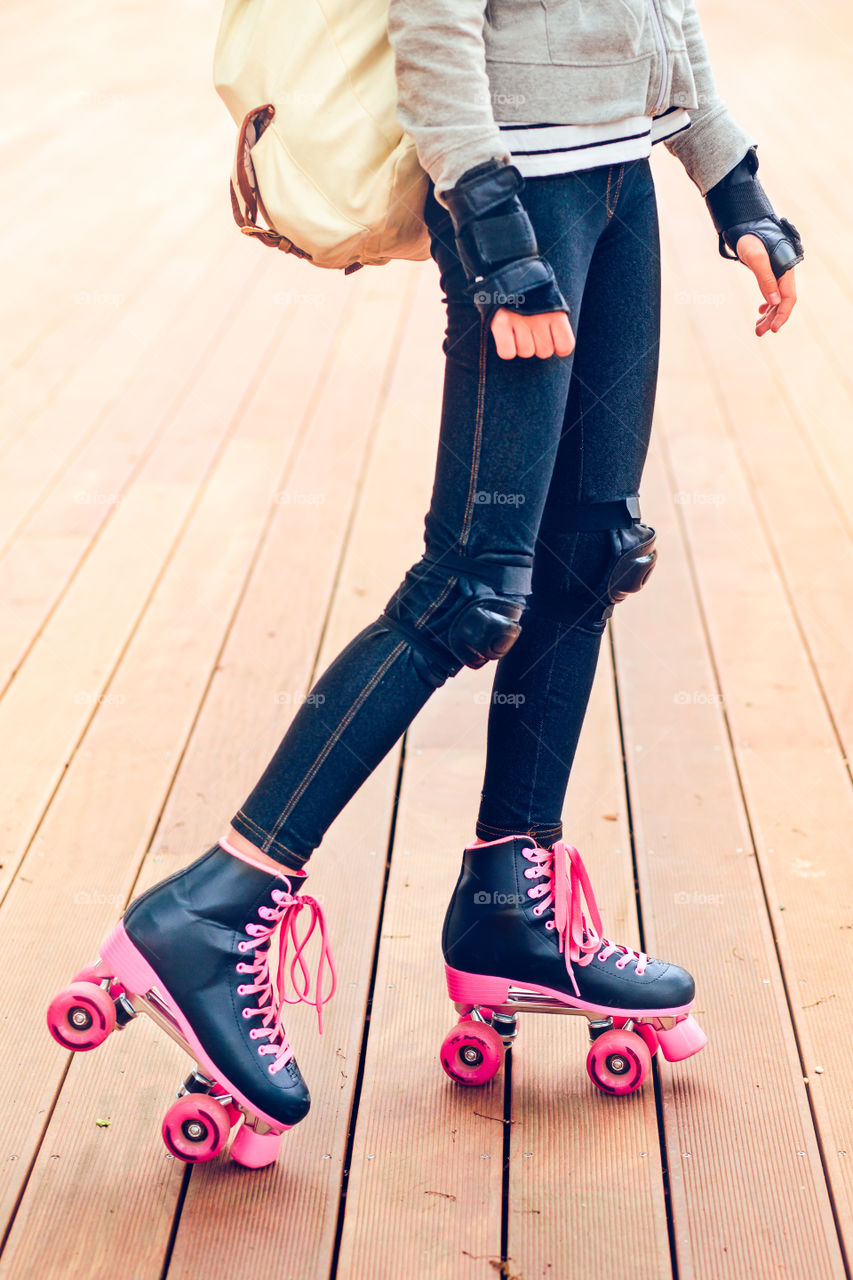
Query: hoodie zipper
{"points": [[664, 61]]}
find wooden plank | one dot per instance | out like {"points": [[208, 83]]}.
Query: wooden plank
{"points": [[55, 692], [74, 309], [348, 871], [40, 451], [746, 1183], [785, 652], [424, 1194], [586, 1194], [746, 1180], [94, 165], [48, 548], [116, 784]]}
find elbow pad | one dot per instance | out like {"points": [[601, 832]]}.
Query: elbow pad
{"points": [[497, 245], [739, 207]]}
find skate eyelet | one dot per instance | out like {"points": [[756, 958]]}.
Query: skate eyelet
{"points": [[549, 924], [241, 946], [247, 1013], [241, 990], [537, 911]]}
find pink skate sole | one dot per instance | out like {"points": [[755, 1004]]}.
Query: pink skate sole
{"points": [[481, 989], [132, 970]]}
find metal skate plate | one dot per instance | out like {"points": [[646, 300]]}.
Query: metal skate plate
{"points": [[522, 1000]]}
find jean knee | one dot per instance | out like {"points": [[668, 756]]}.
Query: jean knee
{"points": [[457, 611], [604, 554]]}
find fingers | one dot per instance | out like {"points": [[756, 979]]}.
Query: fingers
{"points": [[503, 334], [788, 290], [561, 333], [780, 296], [752, 253], [771, 318], [542, 335], [525, 342]]}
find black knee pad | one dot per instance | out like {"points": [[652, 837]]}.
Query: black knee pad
{"points": [[485, 628], [477, 618], [617, 559], [634, 558]]}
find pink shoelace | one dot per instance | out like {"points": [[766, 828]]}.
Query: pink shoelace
{"points": [[271, 995], [566, 894]]}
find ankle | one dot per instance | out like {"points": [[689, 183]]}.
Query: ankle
{"points": [[239, 847]]}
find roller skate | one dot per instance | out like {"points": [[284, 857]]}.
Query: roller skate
{"points": [[193, 953], [523, 934]]}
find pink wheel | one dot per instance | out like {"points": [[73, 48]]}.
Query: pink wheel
{"points": [[472, 1053], [81, 1016], [196, 1128], [254, 1150], [618, 1062], [644, 1029], [647, 1031], [91, 974]]}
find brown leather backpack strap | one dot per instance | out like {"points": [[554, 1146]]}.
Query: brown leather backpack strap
{"points": [[245, 197]]}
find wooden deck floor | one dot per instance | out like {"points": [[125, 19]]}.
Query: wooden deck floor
{"points": [[214, 464]]}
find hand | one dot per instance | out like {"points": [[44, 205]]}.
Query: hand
{"points": [[544, 335], [779, 295]]}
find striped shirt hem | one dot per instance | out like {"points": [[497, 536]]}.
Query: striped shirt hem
{"points": [[539, 150]]}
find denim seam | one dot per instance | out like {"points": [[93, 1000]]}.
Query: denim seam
{"points": [[475, 464], [544, 702], [478, 436], [534, 830], [612, 209], [431, 608], [342, 725], [269, 844]]}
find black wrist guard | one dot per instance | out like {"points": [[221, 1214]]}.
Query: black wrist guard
{"points": [[497, 245], [739, 207]]}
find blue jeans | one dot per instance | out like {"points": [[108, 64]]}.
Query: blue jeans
{"points": [[525, 447]]}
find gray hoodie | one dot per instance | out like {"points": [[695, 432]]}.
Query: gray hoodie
{"points": [[462, 65]]}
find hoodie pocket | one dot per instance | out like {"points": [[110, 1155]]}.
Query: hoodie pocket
{"points": [[597, 32]]}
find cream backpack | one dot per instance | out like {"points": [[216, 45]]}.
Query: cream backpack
{"points": [[320, 153]]}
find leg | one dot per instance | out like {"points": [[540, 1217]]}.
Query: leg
{"points": [[460, 604], [591, 518]]}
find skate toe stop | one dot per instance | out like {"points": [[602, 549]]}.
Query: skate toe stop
{"points": [[682, 1040]]}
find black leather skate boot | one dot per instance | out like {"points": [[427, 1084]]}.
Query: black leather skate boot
{"points": [[201, 939], [517, 918]]}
